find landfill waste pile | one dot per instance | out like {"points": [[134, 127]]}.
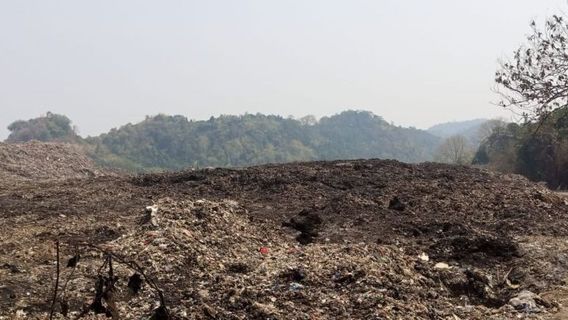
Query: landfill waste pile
{"points": [[41, 161], [362, 239]]}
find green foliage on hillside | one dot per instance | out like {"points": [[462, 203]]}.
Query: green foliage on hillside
{"points": [[534, 83], [174, 142], [537, 150], [360, 134], [51, 127]]}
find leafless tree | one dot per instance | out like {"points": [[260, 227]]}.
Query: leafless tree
{"points": [[535, 81], [456, 150]]}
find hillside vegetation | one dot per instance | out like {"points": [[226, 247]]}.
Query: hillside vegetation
{"points": [[51, 127], [537, 150], [175, 142]]}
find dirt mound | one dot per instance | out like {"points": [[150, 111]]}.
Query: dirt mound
{"points": [[326, 240], [44, 161]]}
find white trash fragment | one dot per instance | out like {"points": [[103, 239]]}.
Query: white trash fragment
{"points": [[442, 265], [152, 209], [151, 215]]}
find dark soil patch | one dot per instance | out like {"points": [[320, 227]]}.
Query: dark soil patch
{"points": [[476, 249], [307, 223]]}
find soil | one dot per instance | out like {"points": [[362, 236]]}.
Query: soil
{"points": [[362, 239]]}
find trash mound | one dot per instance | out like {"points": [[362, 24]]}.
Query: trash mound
{"points": [[210, 261], [379, 200], [363, 239], [44, 161]]}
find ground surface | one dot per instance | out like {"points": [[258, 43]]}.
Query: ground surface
{"points": [[365, 239], [39, 161]]}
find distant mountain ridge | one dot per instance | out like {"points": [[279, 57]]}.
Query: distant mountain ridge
{"points": [[444, 130]]}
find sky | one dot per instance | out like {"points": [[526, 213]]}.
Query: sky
{"points": [[107, 63]]}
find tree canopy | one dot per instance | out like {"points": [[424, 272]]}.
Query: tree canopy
{"points": [[535, 80], [174, 142], [51, 127], [535, 83]]}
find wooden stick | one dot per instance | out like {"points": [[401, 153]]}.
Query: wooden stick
{"points": [[56, 282]]}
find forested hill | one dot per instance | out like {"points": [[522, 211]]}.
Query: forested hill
{"points": [[174, 142]]}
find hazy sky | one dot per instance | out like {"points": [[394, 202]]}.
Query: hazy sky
{"points": [[106, 63]]}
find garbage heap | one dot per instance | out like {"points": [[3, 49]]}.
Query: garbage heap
{"points": [[212, 261], [44, 161]]}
